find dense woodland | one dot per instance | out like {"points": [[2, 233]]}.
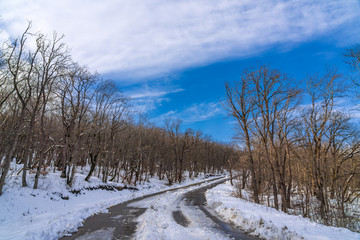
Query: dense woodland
{"points": [[56, 113], [295, 148], [300, 151]]}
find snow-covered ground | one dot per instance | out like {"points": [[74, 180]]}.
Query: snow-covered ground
{"points": [[158, 223], [267, 222], [46, 214]]}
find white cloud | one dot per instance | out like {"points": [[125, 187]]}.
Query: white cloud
{"points": [[348, 106], [139, 38], [151, 93], [146, 98], [195, 113]]}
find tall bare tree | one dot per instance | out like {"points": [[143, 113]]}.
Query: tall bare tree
{"points": [[19, 70], [239, 104]]}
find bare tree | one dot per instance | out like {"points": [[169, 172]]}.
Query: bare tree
{"points": [[274, 99], [20, 68], [239, 105], [50, 67], [75, 96], [317, 119], [353, 56]]}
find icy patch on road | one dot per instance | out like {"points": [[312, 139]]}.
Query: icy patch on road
{"points": [[107, 233], [158, 223], [267, 222]]}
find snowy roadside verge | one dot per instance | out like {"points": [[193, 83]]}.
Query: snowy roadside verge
{"points": [[52, 210], [267, 222]]}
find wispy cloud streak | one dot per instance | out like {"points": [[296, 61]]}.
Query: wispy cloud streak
{"points": [[145, 99], [194, 113]]}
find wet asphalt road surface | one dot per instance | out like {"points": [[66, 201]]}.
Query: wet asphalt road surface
{"points": [[121, 220]]}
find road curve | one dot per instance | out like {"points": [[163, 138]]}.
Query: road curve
{"points": [[191, 210]]}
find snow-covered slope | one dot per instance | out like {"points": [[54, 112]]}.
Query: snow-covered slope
{"points": [[267, 222], [52, 210]]}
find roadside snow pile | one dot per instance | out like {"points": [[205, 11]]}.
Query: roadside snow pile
{"points": [[54, 210], [268, 223]]}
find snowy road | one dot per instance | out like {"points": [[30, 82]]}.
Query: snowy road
{"points": [[173, 215]]}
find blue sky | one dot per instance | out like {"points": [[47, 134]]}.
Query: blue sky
{"points": [[173, 57]]}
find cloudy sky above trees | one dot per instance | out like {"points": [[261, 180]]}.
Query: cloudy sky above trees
{"points": [[173, 57]]}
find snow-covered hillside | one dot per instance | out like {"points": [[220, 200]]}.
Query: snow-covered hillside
{"points": [[267, 222], [54, 210]]}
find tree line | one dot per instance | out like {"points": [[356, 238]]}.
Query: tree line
{"points": [[299, 151], [57, 113]]}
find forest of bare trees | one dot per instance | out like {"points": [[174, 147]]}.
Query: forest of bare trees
{"points": [[55, 113], [300, 152]]}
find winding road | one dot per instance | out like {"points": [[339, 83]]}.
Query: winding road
{"points": [[176, 214]]}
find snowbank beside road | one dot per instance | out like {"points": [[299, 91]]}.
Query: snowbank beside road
{"points": [[267, 222], [53, 210]]}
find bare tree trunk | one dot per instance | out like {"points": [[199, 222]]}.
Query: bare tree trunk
{"points": [[8, 158], [93, 160]]}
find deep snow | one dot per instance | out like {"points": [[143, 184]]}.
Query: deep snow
{"points": [[44, 214], [267, 222]]}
